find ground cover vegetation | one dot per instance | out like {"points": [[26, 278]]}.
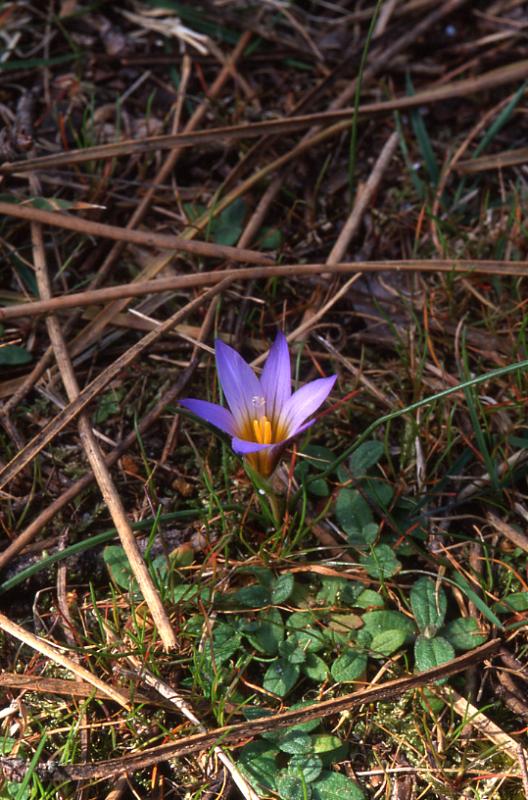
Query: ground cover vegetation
{"points": [[202, 603]]}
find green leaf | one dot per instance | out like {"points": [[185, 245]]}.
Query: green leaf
{"points": [[463, 584], [330, 590], [344, 625], [309, 766], [381, 562], [349, 666], [353, 514], [423, 138], [464, 633], [269, 239], [185, 592], [257, 760], [379, 492], [226, 229], [387, 642], [379, 621], [308, 726], [366, 456], [11, 355], [318, 458], [315, 668], [282, 588], [118, 566], [280, 677], [329, 748], [369, 598], [308, 637], [290, 650], [319, 488], [429, 653], [334, 786], [429, 606], [109, 405], [516, 601], [267, 632], [292, 787], [296, 743], [254, 596], [225, 641]]}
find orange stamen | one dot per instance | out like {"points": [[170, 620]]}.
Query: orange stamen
{"points": [[262, 430]]}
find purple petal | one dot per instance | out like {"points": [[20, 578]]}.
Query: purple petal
{"points": [[276, 377], [244, 446], [240, 385], [211, 412], [304, 402], [301, 429]]}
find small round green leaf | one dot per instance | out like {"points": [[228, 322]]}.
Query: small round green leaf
{"points": [[315, 668], [368, 599], [366, 456], [319, 488], [429, 606], [349, 666], [292, 787], [353, 513], [118, 566], [282, 588], [254, 596], [309, 636], [329, 748], [12, 355], [280, 677], [381, 562], [334, 786], [378, 621], [309, 766], [387, 642], [295, 743], [291, 652], [464, 633], [266, 632], [516, 601], [429, 653], [257, 760]]}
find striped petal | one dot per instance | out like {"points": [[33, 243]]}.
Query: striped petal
{"points": [[304, 402], [211, 412], [243, 446], [240, 385], [276, 377]]}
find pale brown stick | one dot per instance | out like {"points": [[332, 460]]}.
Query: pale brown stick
{"points": [[98, 384], [94, 455], [47, 513], [92, 331], [364, 200], [239, 732], [160, 241], [507, 158], [488, 80], [181, 704], [200, 279], [41, 646]]}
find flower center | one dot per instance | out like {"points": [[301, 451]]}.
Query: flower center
{"points": [[262, 430]]}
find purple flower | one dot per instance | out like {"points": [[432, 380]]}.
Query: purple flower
{"points": [[263, 414]]}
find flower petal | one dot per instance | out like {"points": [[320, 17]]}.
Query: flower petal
{"points": [[304, 402], [240, 385], [276, 377], [211, 412], [244, 446]]}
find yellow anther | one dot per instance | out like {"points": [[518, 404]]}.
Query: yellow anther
{"points": [[262, 429]]}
